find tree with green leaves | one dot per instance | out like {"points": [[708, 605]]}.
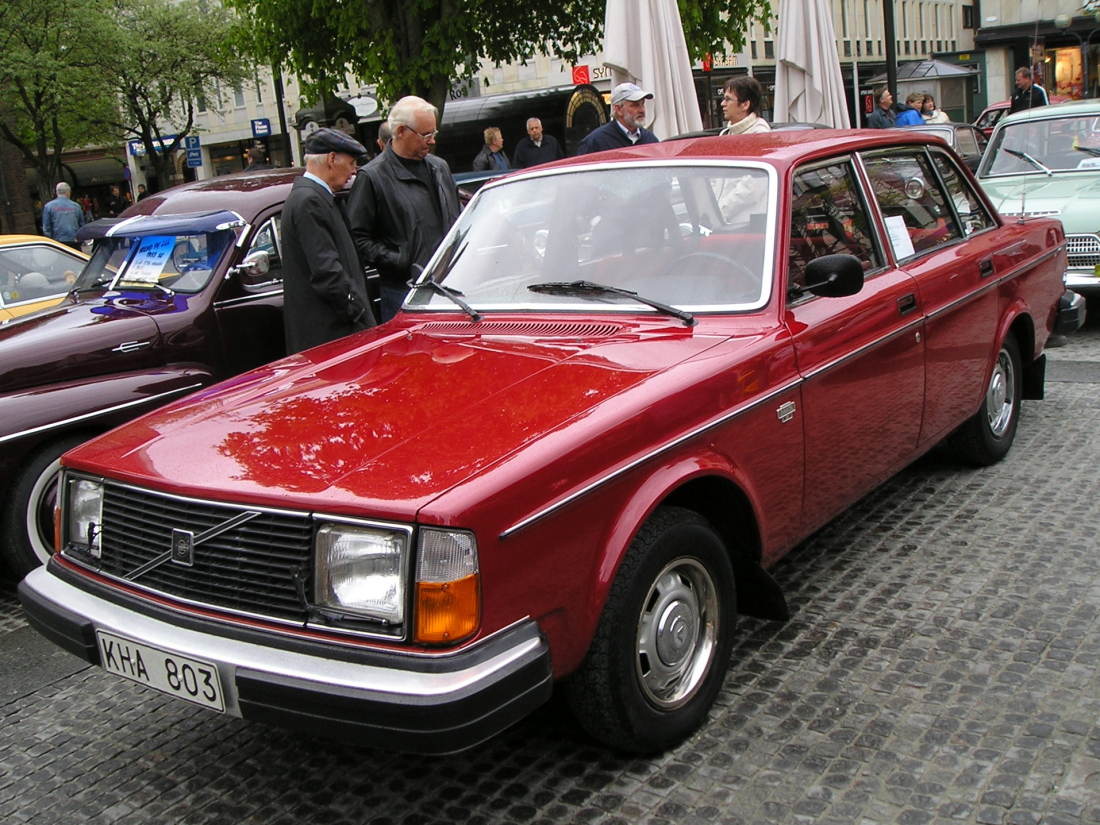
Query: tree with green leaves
{"points": [[52, 90], [169, 58], [422, 46]]}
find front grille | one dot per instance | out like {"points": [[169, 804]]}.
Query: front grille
{"points": [[250, 567], [1084, 251]]}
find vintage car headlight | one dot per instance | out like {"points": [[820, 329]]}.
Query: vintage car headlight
{"points": [[361, 570], [84, 519], [448, 588]]}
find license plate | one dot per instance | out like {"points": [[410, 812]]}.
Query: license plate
{"points": [[191, 679]]}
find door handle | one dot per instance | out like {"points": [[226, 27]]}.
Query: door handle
{"points": [[985, 267], [907, 304]]}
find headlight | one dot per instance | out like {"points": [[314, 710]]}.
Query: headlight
{"points": [[448, 588], [362, 570], [84, 520]]}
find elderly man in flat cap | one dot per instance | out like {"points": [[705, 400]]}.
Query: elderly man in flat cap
{"points": [[325, 292], [403, 202], [625, 127]]}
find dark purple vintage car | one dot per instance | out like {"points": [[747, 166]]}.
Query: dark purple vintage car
{"points": [[183, 291]]}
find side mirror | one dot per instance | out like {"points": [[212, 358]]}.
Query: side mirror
{"points": [[253, 268], [832, 276]]}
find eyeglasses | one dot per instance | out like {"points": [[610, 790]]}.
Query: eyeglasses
{"points": [[425, 135], [728, 99]]}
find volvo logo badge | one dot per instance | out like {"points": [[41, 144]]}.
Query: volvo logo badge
{"points": [[183, 547], [785, 412]]}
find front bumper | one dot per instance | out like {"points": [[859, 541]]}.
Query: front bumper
{"points": [[415, 703], [1082, 280], [1071, 313]]}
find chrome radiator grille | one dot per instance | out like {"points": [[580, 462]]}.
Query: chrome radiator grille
{"points": [[248, 563], [1084, 251]]}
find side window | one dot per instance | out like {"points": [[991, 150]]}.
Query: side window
{"points": [[967, 143], [268, 239], [918, 218], [972, 212], [828, 217]]}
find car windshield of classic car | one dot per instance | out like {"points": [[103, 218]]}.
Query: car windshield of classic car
{"points": [[620, 231], [180, 262], [1039, 147]]}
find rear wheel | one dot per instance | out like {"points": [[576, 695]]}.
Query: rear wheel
{"points": [[987, 437], [27, 534], [661, 649]]}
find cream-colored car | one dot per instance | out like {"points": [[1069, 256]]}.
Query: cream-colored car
{"points": [[35, 272]]}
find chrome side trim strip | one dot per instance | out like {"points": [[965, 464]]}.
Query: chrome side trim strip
{"points": [[97, 413], [664, 448]]}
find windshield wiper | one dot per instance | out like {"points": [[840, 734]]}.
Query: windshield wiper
{"points": [[1089, 150], [585, 288], [1016, 153], [447, 292]]}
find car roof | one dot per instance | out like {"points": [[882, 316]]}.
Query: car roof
{"points": [[1071, 108], [20, 240], [781, 149], [245, 193]]}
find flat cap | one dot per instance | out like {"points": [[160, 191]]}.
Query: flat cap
{"points": [[629, 91], [323, 141]]}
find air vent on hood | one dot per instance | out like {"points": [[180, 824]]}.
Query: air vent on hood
{"points": [[521, 328]]}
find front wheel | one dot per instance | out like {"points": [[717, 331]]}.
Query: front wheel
{"points": [[26, 536], [987, 437], [660, 651]]}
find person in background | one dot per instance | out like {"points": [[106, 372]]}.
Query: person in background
{"points": [[143, 193], [883, 116], [325, 291], [537, 147], [403, 202], [625, 127], [385, 135], [930, 113], [62, 216], [741, 99], [86, 205], [116, 204], [910, 115], [491, 156], [256, 162], [1028, 95]]}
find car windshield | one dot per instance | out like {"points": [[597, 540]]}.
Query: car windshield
{"points": [[172, 263], [696, 237], [1039, 147]]}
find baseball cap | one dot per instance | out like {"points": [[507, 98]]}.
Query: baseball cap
{"points": [[629, 91]]}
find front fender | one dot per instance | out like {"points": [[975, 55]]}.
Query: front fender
{"points": [[30, 417]]}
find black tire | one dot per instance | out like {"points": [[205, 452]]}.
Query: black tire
{"points": [[663, 643], [987, 437], [26, 535]]}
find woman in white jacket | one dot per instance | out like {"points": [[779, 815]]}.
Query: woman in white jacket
{"points": [[741, 106]]}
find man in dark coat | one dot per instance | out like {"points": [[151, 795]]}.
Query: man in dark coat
{"points": [[1027, 95], [625, 127], [325, 293], [492, 156], [403, 202], [537, 147]]}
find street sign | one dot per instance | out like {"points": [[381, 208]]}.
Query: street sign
{"points": [[261, 127], [191, 142], [194, 158]]}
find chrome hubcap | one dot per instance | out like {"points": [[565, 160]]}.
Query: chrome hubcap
{"points": [[677, 633], [1000, 398]]}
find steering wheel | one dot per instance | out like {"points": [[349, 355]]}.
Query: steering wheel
{"points": [[741, 278]]}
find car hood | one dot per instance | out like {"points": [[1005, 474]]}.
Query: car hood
{"points": [[394, 421], [77, 340], [1073, 197]]}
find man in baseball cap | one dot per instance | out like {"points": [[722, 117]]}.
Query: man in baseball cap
{"points": [[625, 127], [325, 291]]}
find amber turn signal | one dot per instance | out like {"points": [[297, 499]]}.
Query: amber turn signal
{"points": [[447, 611]]}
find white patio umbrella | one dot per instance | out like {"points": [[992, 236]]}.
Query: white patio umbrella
{"points": [[808, 83], [644, 44]]}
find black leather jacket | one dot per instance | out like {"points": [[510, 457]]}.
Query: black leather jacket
{"points": [[385, 209]]}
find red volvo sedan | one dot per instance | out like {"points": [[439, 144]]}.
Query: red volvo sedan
{"points": [[625, 386]]}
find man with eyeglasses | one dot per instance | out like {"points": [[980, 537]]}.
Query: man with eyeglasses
{"points": [[325, 293], [625, 127], [403, 202]]}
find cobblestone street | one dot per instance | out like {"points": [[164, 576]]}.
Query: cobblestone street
{"points": [[942, 665]]}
